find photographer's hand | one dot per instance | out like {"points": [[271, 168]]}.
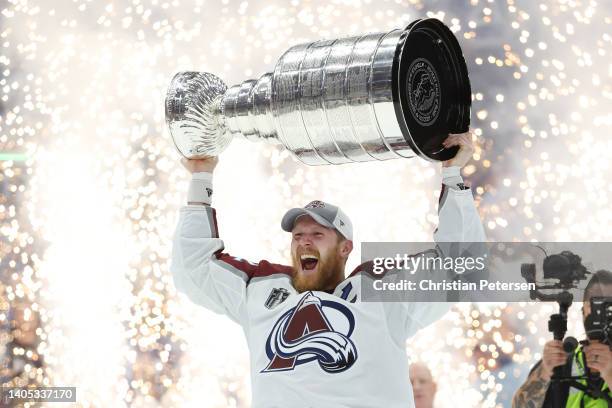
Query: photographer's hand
{"points": [[599, 358], [553, 356], [533, 392]]}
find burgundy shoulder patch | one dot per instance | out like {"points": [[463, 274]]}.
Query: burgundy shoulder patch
{"points": [[367, 267], [254, 270], [243, 265], [266, 269]]}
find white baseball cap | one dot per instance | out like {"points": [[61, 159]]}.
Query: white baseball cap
{"points": [[325, 214]]}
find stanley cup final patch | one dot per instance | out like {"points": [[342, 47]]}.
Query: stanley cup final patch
{"points": [[276, 297], [424, 92]]}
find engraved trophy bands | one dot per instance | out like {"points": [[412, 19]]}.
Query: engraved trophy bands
{"points": [[371, 97]]}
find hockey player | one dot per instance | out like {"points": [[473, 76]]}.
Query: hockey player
{"points": [[312, 341]]}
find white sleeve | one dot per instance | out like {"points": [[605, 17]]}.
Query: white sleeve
{"points": [[459, 221], [458, 218], [199, 268], [418, 315]]}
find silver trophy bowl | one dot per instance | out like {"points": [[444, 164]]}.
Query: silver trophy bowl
{"points": [[372, 97]]}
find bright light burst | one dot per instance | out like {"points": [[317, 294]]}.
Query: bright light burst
{"points": [[90, 183]]}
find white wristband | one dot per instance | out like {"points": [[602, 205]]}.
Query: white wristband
{"points": [[452, 171], [200, 189], [451, 176], [205, 176]]}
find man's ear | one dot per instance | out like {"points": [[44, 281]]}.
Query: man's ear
{"points": [[346, 247]]}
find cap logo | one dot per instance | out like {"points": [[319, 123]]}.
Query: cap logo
{"points": [[341, 223], [315, 204]]}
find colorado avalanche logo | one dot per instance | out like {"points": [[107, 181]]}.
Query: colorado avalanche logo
{"points": [[304, 334]]}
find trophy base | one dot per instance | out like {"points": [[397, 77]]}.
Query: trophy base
{"points": [[431, 90]]}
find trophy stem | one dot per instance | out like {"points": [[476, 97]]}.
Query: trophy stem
{"points": [[247, 109]]}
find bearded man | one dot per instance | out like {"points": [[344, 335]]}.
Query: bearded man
{"points": [[313, 342]]}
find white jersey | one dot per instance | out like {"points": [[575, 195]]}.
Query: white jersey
{"points": [[313, 349]]}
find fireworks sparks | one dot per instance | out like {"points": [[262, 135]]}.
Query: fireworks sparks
{"points": [[90, 182]]}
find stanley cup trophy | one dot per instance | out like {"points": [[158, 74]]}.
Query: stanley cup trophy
{"points": [[371, 97]]}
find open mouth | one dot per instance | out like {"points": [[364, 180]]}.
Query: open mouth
{"points": [[309, 262]]}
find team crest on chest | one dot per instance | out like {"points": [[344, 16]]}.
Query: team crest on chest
{"points": [[276, 297], [306, 334]]}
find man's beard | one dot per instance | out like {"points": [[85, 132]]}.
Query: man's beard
{"points": [[329, 272]]}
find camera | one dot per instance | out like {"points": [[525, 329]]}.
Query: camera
{"points": [[566, 267], [598, 325]]}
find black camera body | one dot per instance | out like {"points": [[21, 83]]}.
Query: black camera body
{"points": [[566, 267], [598, 324]]}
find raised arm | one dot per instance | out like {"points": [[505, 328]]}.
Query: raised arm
{"points": [[458, 219], [458, 222], [208, 277]]}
